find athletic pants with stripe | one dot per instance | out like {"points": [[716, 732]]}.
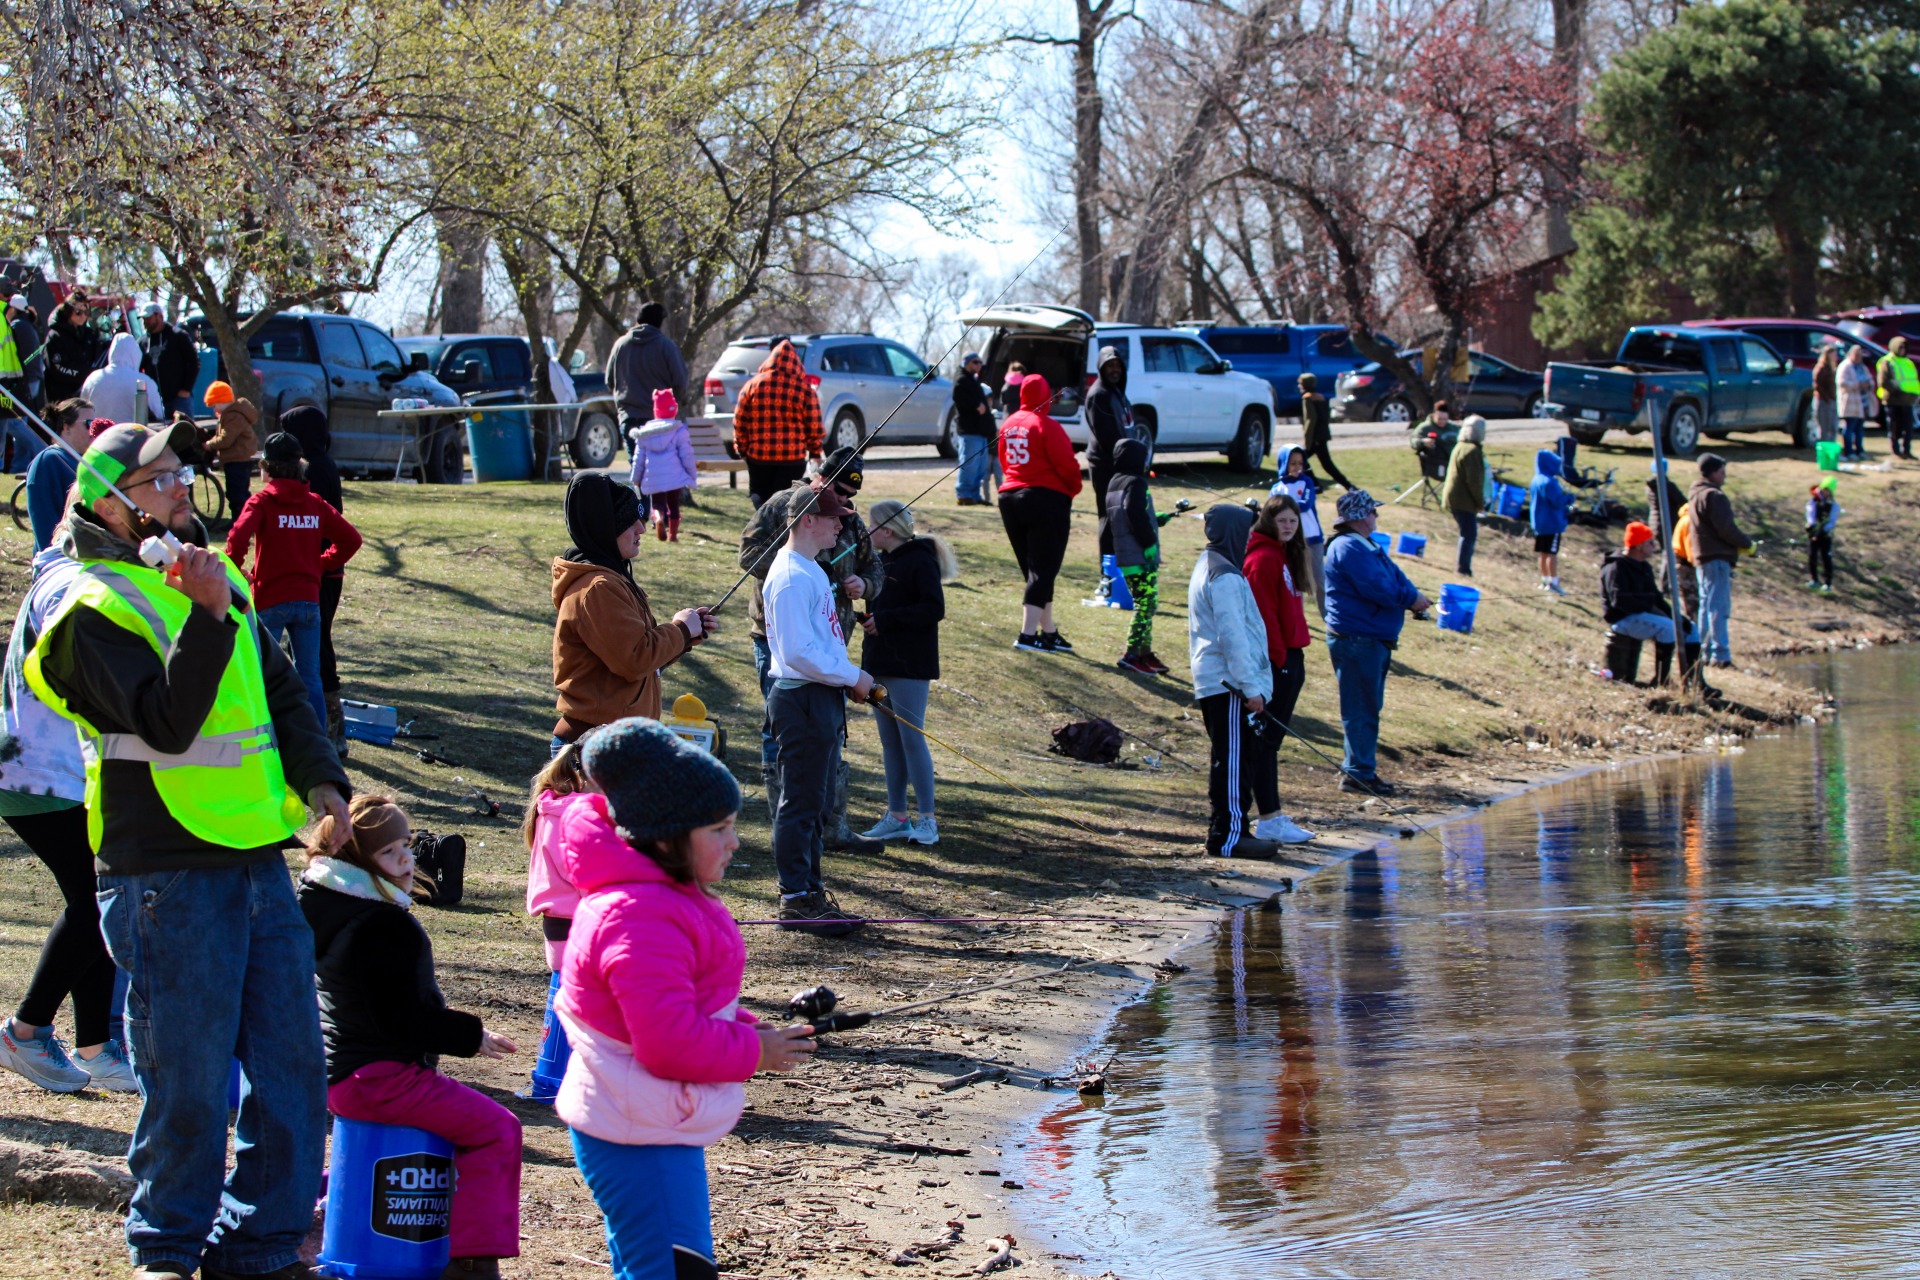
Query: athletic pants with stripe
{"points": [[1229, 771]]}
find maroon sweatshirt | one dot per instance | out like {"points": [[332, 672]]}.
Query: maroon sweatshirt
{"points": [[289, 525]]}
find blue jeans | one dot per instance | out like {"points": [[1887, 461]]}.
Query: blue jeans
{"points": [[976, 457], [1657, 627], [219, 965], [1853, 435], [904, 752], [300, 619], [26, 442], [1715, 578], [654, 1200], [762, 660], [1360, 671]]}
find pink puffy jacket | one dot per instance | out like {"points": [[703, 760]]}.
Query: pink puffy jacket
{"points": [[649, 996]]}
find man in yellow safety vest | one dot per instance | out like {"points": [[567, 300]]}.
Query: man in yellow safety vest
{"points": [[200, 746], [1899, 385]]}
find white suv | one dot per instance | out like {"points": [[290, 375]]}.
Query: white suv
{"points": [[860, 379], [1185, 397]]}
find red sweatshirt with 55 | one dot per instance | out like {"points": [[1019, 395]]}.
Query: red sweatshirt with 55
{"points": [[1034, 449], [289, 524]]}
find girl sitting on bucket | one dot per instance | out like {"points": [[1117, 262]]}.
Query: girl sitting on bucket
{"points": [[650, 994], [384, 1021]]}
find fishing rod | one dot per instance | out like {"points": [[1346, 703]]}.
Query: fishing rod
{"points": [[925, 377], [159, 551]]}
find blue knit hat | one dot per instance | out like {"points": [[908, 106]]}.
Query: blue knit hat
{"points": [[657, 784]]}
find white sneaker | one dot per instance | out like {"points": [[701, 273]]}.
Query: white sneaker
{"points": [[1282, 829], [924, 831], [109, 1069], [888, 828], [41, 1059]]}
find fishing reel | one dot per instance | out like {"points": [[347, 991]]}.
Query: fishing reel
{"points": [[1183, 506], [815, 1007]]}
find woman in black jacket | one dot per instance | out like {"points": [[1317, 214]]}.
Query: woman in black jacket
{"points": [[902, 651]]}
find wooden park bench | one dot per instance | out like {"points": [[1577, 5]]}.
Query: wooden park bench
{"points": [[710, 450]]}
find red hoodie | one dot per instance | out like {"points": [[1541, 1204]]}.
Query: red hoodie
{"points": [[1282, 606], [1034, 450], [290, 524]]}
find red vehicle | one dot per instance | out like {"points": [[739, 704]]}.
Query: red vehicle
{"points": [[1800, 341], [1880, 324]]}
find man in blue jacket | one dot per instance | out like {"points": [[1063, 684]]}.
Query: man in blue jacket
{"points": [[1368, 599], [1547, 507]]}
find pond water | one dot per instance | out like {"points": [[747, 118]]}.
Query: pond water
{"points": [[1655, 1021]]}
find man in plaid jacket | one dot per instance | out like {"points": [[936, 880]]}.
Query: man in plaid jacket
{"points": [[776, 423]]}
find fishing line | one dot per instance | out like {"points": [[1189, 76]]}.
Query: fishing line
{"points": [[925, 377], [1019, 919]]}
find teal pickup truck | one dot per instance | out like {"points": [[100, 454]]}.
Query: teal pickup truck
{"points": [[1699, 382]]}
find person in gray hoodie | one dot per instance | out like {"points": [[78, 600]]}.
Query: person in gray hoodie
{"points": [[1232, 679], [645, 360]]}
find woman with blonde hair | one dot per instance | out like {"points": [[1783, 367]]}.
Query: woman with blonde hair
{"points": [[902, 651]]}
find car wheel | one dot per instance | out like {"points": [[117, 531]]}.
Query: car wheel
{"points": [[596, 443], [1396, 409], [1532, 407], [1146, 427], [948, 445], [846, 431], [1683, 431], [442, 460], [1586, 435], [1249, 449], [1802, 427]]}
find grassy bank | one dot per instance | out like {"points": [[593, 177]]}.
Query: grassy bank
{"points": [[447, 617]]}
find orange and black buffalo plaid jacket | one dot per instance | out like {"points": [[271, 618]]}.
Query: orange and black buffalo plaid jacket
{"points": [[777, 418]]}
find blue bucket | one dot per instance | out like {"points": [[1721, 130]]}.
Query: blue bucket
{"points": [[550, 1065], [389, 1203], [1413, 544], [1457, 607], [1118, 597], [1383, 540], [1510, 500]]}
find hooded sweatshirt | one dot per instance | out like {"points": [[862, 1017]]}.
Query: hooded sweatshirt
{"points": [[663, 458], [1547, 502], [72, 350], [1714, 533], [117, 390], [549, 892], [607, 648], [373, 964], [1130, 517], [1304, 489], [1282, 606], [39, 751], [1226, 639], [650, 997], [299, 538], [777, 418], [1035, 452], [1629, 586], [1109, 412], [643, 361]]}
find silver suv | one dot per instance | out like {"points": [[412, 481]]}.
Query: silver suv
{"points": [[860, 378]]}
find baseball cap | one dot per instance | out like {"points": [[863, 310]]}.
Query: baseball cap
{"points": [[825, 500], [282, 447], [970, 357], [153, 309], [126, 447], [19, 302]]}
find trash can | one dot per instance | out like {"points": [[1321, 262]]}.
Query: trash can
{"points": [[501, 446], [1457, 607], [389, 1203]]}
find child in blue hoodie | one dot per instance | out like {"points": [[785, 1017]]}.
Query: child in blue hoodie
{"points": [[1547, 507]]}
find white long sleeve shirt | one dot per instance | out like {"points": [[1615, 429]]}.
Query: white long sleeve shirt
{"points": [[803, 627]]}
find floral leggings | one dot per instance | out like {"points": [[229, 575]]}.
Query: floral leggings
{"points": [[1143, 582]]}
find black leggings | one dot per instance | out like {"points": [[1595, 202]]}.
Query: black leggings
{"points": [[1261, 780], [1820, 557], [1324, 457], [764, 479], [1102, 477], [330, 588], [1039, 522], [74, 959]]}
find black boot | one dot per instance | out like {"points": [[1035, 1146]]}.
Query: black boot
{"points": [[1623, 657], [1662, 663], [1691, 670]]}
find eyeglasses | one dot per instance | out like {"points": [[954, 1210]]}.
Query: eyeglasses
{"points": [[166, 482]]}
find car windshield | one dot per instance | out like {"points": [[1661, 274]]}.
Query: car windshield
{"points": [[1666, 349], [432, 346], [748, 357]]}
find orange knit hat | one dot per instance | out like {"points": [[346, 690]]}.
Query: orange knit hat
{"points": [[218, 393], [1637, 533]]}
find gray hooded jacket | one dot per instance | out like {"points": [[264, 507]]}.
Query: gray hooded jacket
{"points": [[643, 361], [1226, 637]]}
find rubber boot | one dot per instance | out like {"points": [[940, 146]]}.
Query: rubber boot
{"points": [[1662, 663], [770, 780], [336, 723], [840, 837]]}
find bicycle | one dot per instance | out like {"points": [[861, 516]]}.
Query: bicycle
{"points": [[208, 499]]}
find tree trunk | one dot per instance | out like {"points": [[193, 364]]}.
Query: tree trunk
{"points": [[1802, 254], [1171, 191], [1569, 56], [530, 271], [463, 272], [1088, 109]]}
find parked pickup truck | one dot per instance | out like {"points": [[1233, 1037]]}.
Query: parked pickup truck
{"points": [[350, 370], [496, 369], [1701, 381]]}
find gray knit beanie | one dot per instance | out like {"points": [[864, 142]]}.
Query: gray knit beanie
{"points": [[657, 784]]}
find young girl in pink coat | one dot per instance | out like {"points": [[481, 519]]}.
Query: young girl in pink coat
{"points": [[650, 994], [551, 899]]}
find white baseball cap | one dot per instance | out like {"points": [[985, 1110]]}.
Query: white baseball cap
{"points": [[153, 309], [19, 302]]}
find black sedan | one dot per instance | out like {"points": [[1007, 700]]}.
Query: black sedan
{"points": [[1495, 389]]}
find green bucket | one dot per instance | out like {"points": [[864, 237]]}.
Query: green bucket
{"points": [[1828, 454]]}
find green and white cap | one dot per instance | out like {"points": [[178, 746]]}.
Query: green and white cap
{"points": [[124, 448]]}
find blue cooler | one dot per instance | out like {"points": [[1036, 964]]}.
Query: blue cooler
{"points": [[389, 1203], [1457, 607], [550, 1066]]}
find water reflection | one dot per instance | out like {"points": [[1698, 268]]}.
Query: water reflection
{"points": [[1652, 1022]]}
